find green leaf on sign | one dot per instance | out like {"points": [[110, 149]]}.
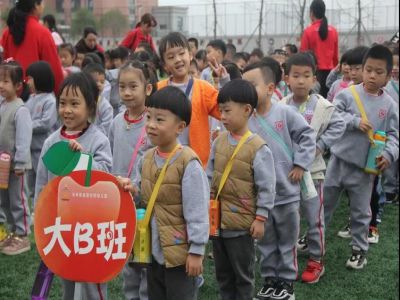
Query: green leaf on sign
{"points": [[60, 159]]}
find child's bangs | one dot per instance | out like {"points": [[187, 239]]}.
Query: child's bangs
{"points": [[72, 88]]}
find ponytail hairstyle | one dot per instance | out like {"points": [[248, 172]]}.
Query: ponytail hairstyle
{"points": [[17, 18], [318, 9], [13, 70]]}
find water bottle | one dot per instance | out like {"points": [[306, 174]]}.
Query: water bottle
{"points": [[142, 245], [375, 150], [5, 166], [42, 284], [215, 218]]}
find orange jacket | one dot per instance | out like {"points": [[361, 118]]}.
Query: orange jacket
{"points": [[204, 104]]}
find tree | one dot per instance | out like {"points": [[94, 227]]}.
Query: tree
{"points": [[81, 19], [114, 22]]}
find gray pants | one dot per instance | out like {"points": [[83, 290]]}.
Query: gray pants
{"points": [[170, 284], [358, 185], [390, 179], [90, 291], [15, 206], [234, 267], [135, 282], [278, 247], [313, 211]]}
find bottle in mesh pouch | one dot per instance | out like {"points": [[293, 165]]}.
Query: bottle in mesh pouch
{"points": [[5, 166]]}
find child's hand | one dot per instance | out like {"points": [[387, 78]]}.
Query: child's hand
{"points": [[218, 69], [382, 163], [74, 145], [127, 185], [257, 229], [19, 172], [296, 174], [194, 265], [365, 126]]}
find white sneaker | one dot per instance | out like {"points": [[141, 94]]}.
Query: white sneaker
{"points": [[357, 260], [345, 233], [373, 235], [302, 244]]}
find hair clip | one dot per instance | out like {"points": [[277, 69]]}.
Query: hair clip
{"points": [[10, 59]]}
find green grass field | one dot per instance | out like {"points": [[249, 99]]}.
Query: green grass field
{"points": [[379, 280]]}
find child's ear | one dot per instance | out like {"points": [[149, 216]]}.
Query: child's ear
{"points": [[149, 89], [181, 127], [270, 88], [248, 109], [314, 79]]}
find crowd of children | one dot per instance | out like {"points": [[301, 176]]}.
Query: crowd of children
{"points": [[245, 131]]}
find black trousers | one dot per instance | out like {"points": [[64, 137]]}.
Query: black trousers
{"points": [[374, 203], [322, 75]]}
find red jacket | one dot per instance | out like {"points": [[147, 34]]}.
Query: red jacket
{"points": [[135, 37], [38, 44], [327, 52]]}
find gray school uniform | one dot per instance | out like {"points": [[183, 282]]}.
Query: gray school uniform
{"points": [[206, 75], [15, 139], [234, 251], [349, 156], [113, 90], [195, 200], [329, 127], [123, 138], [104, 115], [278, 247], [95, 142], [332, 77]]}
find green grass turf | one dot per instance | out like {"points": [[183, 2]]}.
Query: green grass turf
{"points": [[379, 280]]}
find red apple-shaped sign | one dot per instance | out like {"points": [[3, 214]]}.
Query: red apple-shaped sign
{"points": [[85, 233]]}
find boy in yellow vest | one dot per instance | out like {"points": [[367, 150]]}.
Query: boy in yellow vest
{"points": [[242, 175], [179, 223]]}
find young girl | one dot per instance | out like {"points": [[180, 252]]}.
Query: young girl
{"points": [[42, 106], [129, 141], [15, 140], [67, 55], [343, 82], [76, 105]]}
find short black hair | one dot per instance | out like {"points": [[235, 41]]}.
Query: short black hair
{"points": [[174, 100], [300, 59], [231, 47], [238, 91], [195, 41], [293, 48], [232, 69], [194, 63], [201, 54], [86, 84], [218, 45], [120, 52], [257, 52], [42, 75], [92, 58], [266, 70], [69, 47], [276, 68], [238, 56], [94, 68], [382, 53], [344, 58], [356, 55], [88, 30], [173, 39]]}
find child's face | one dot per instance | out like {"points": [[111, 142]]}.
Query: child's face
{"points": [[163, 127], [375, 75], [73, 110], [66, 58], [301, 80], [193, 48], [395, 71], [241, 63], [132, 89], [8, 89], [234, 115], [346, 71], [356, 73], [117, 62], [100, 80], [201, 64], [194, 72], [108, 63], [79, 59], [213, 53], [264, 90], [177, 63], [31, 84]]}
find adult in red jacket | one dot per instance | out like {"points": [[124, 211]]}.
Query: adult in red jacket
{"points": [[27, 41], [142, 33], [322, 39]]}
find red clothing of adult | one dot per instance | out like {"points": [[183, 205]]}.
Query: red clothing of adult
{"points": [[38, 44], [135, 37], [327, 52]]}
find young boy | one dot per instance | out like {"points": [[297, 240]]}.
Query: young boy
{"points": [[194, 46], [248, 195], [104, 115], [174, 52], [179, 224], [292, 142], [349, 155], [216, 51], [329, 127]]}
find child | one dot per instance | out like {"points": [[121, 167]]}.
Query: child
{"points": [[349, 155], [76, 105], [129, 142], [329, 127], [67, 55], [393, 85], [343, 82], [355, 60], [292, 142], [248, 195], [179, 225], [201, 59], [79, 56], [174, 51], [104, 114], [194, 46], [278, 75], [15, 139], [240, 60], [42, 106], [119, 56], [216, 51], [194, 69]]}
